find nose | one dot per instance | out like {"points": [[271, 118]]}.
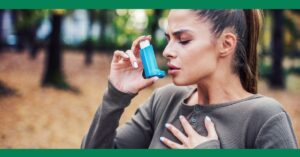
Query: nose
{"points": [[169, 52]]}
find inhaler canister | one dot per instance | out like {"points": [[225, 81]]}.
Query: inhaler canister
{"points": [[149, 61]]}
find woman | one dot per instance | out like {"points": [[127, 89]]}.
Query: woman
{"points": [[214, 50]]}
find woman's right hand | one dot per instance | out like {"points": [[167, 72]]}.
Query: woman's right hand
{"points": [[126, 69]]}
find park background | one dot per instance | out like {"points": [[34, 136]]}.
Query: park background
{"points": [[54, 66]]}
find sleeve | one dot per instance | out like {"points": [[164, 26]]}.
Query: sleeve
{"points": [[212, 144], [276, 132], [103, 131]]}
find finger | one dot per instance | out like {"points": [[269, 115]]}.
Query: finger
{"points": [[177, 133], [132, 58], [189, 130], [170, 143], [136, 44], [210, 127], [118, 55], [149, 82]]}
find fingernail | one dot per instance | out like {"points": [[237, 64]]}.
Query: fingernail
{"points": [[181, 117], [167, 125], [135, 65], [161, 138], [155, 79], [207, 118]]}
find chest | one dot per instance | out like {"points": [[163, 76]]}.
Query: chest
{"points": [[232, 128]]}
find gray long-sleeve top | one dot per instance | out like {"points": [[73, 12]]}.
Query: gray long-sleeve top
{"points": [[254, 122]]}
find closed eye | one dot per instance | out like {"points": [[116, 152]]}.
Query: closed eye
{"points": [[184, 42]]}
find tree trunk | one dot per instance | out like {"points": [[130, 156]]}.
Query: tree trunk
{"points": [[103, 23], [19, 18], [154, 25], [88, 52], [89, 44], [277, 75], [1, 30], [26, 33], [53, 69], [33, 42]]}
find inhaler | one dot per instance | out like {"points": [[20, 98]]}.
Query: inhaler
{"points": [[149, 61]]}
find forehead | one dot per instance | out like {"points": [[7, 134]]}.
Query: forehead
{"points": [[183, 19]]}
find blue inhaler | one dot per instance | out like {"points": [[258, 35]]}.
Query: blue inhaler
{"points": [[149, 61]]}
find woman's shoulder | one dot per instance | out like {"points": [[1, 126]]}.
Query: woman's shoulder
{"points": [[265, 107]]}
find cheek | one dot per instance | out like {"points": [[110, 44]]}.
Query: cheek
{"points": [[203, 66], [199, 63]]}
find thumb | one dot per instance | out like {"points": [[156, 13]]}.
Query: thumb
{"points": [[210, 127], [149, 82]]}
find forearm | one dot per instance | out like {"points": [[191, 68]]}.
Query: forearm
{"points": [[102, 131]]}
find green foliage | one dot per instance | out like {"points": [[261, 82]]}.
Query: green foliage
{"points": [[264, 70], [294, 70], [28, 18]]}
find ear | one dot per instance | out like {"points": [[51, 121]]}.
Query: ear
{"points": [[227, 43]]}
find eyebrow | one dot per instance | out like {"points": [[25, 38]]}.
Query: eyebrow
{"points": [[177, 33]]}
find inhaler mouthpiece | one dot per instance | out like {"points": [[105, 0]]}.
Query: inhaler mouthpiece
{"points": [[144, 44]]}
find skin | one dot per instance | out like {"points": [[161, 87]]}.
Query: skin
{"points": [[126, 69], [201, 58]]}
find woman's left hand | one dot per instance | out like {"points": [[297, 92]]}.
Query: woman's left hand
{"points": [[193, 139]]}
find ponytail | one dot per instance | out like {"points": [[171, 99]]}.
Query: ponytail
{"points": [[249, 75]]}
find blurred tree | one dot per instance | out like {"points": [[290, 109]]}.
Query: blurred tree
{"points": [[26, 25], [154, 18], [264, 46], [89, 42], [292, 18], [103, 17], [123, 30], [1, 30], [153, 22], [53, 72], [277, 76], [290, 38], [4, 89]]}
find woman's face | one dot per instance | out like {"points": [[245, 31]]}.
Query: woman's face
{"points": [[190, 51]]}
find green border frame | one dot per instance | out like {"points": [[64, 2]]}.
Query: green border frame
{"points": [[145, 4], [148, 153]]}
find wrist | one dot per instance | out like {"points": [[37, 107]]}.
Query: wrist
{"points": [[119, 89]]}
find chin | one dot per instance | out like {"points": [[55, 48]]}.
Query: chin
{"points": [[181, 82]]}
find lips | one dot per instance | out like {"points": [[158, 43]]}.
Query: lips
{"points": [[171, 66], [173, 69]]}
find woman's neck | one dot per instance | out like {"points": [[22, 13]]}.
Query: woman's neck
{"points": [[219, 90]]}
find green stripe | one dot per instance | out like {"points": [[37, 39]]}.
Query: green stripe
{"points": [[148, 153], [143, 4]]}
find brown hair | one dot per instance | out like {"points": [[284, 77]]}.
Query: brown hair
{"points": [[246, 24]]}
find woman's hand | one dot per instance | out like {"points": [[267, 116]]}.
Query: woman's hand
{"points": [[126, 69], [193, 139]]}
